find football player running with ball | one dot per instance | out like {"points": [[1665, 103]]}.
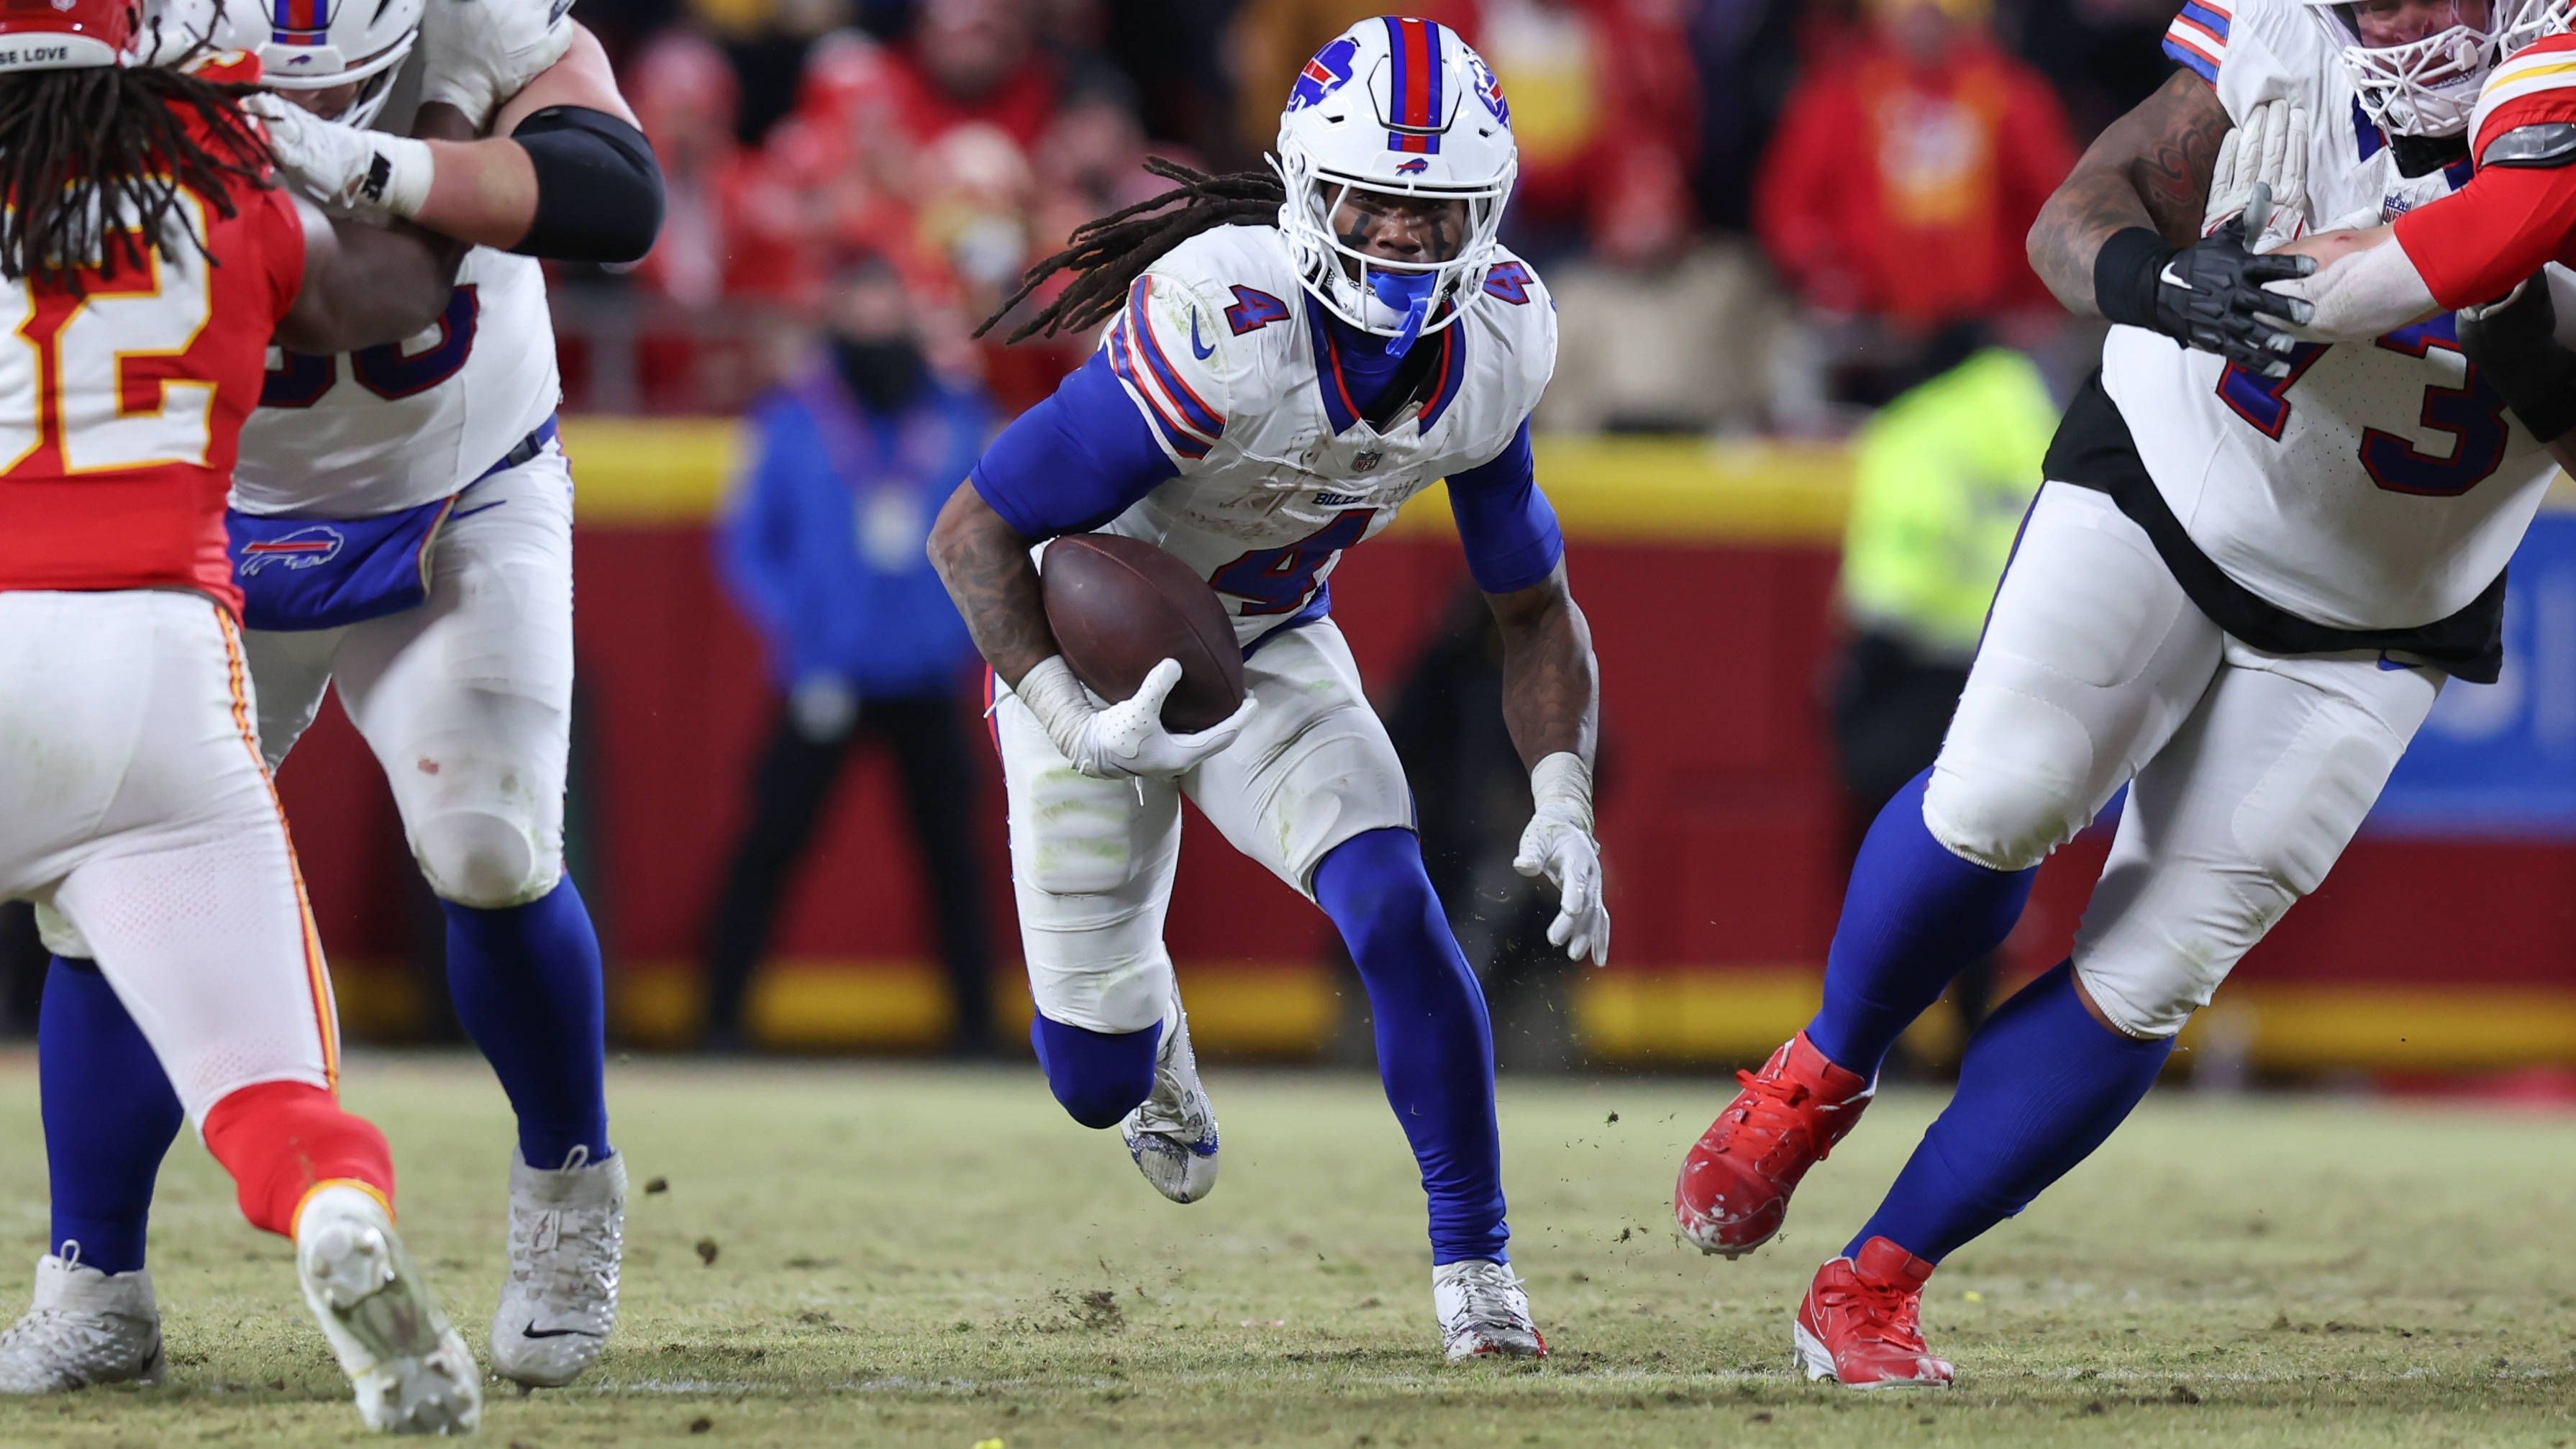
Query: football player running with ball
{"points": [[152, 257], [1287, 361], [402, 526], [2249, 574]]}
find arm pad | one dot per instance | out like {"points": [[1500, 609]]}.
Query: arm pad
{"points": [[599, 191]]}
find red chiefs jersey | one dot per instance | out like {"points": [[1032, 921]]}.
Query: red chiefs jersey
{"points": [[2476, 244], [121, 407]]}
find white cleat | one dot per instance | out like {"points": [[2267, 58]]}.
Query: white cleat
{"points": [[85, 1327], [567, 1239], [1172, 1134], [1483, 1311], [411, 1371]]}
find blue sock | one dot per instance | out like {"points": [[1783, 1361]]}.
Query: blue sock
{"points": [[526, 982], [1099, 1076], [1435, 1048], [109, 1114], [2042, 1085], [1914, 917]]}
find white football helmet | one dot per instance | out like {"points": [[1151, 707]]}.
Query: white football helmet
{"points": [[2424, 87], [314, 45], [1407, 108]]}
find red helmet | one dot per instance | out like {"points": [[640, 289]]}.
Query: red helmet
{"points": [[64, 34]]}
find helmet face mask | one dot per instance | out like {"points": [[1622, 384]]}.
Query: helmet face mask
{"points": [[2425, 87], [2526, 22], [1396, 126]]}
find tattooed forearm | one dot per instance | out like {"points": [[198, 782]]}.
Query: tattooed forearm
{"points": [[994, 583], [2151, 168], [1551, 682]]}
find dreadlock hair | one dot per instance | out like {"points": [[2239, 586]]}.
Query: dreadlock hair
{"points": [[1107, 254], [92, 162]]}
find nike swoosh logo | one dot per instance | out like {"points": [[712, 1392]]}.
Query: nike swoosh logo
{"points": [[1198, 348], [532, 1331]]}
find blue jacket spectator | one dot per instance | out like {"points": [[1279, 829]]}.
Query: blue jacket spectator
{"points": [[823, 546]]}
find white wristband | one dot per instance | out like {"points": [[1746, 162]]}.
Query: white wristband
{"points": [[1062, 706], [1563, 781], [403, 186]]}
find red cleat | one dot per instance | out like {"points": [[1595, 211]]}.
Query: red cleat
{"points": [[1862, 1322], [1735, 1185]]}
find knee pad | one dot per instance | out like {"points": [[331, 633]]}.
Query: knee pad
{"points": [[2003, 814], [484, 860], [1100, 1077], [2154, 1010]]}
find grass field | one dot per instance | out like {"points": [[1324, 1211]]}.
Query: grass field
{"points": [[930, 1257]]}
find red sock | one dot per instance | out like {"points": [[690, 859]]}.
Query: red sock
{"points": [[280, 1140]]}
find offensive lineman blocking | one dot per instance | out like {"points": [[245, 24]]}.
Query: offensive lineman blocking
{"points": [[1289, 361], [2239, 594], [401, 525]]}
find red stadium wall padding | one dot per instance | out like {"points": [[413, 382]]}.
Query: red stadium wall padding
{"points": [[1720, 818]]}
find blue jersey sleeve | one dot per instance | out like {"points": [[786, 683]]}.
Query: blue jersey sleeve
{"points": [[1073, 462], [1510, 531]]}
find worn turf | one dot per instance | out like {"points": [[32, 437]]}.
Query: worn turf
{"points": [[899, 1257]]}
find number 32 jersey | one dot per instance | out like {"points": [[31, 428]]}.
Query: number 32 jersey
{"points": [[1228, 359], [2381, 485], [392, 427], [121, 408]]}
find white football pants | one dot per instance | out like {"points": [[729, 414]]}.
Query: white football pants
{"points": [[2249, 772], [1092, 861], [134, 805]]}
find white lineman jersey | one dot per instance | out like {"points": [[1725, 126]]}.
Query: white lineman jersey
{"points": [[2379, 485], [1276, 474], [390, 427]]}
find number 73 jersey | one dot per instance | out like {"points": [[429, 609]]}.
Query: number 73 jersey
{"points": [[1276, 472], [2381, 484]]}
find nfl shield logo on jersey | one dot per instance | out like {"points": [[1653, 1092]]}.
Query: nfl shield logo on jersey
{"points": [[1366, 461]]}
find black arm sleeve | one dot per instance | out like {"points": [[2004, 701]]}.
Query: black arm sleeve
{"points": [[599, 192]]}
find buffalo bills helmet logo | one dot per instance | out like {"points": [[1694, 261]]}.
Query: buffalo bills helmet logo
{"points": [[1328, 72], [1489, 88], [1414, 167], [303, 549]]}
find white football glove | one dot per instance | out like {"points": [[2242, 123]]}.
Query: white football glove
{"points": [[1127, 739], [2270, 149], [367, 175], [1559, 845], [476, 54]]}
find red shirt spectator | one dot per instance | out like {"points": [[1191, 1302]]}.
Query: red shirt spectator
{"points": [[1604, 100], [973, 61], [1904, 177], [726, 231]]}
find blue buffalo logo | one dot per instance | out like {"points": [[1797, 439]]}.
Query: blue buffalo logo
{"points": [[1489, 88], [1414, 167], [303, 549], [1328, 72]]}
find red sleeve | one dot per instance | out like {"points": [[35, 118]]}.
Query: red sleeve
{"points": [[2475, 244]]}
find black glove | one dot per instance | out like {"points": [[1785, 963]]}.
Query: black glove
{"points": [[2208, 295], [2514, 345]]}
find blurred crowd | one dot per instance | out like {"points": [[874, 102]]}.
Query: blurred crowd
{"points": [[1758, 215]]}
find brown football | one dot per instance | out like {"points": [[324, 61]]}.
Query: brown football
{"points": [[1120, 606]]}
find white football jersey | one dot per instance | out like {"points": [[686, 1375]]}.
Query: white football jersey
{"points": [[2378, 485], [1229, 361], [369, 432]]}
